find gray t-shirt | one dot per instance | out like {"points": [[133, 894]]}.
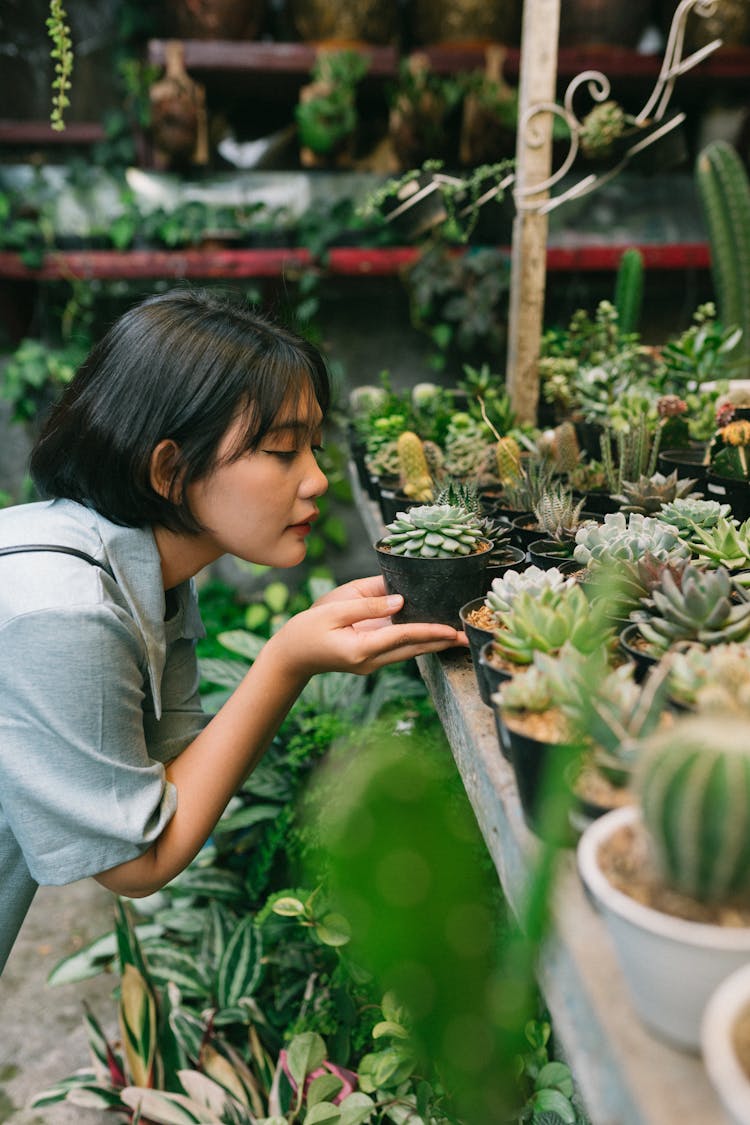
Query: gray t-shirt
{"points": [[97, 691]]}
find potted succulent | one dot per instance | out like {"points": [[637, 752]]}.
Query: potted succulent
{"points": [[649, 494], [728, 474], [714, 679], [725, 544], [481, 617], [557, 517], [435, 555], [671, 875], [544, 621], [326, 113], [537, 739], [695, 607]]}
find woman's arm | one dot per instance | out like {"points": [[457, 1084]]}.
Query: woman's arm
{"points": [[347, 630]]}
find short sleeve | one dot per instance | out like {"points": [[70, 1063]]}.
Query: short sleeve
{"points": [[78, 787]]}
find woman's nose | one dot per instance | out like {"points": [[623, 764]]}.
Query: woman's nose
{"points": [[315, 482]]}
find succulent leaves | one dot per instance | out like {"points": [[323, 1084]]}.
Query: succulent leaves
{"points": [[435, 531], [648, 494], [699, 609]]}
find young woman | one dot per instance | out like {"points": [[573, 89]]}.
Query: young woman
{"points": [[190, 431]]}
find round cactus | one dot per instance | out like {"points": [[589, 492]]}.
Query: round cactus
{"points": [[435, 531], [694, 786]]}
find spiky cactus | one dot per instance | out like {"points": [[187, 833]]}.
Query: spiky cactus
{"points": [[694, 787], [629, 290], [435, 531], [433, 455], [507, 460], [565, 448], [630, 454], [724, 192], [384, 461], [698, 608], [414, 473], [648, 495]]}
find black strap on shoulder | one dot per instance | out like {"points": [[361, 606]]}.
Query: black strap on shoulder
{"points": [[52, 547]]}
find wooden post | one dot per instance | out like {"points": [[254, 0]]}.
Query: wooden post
{"points": [[538, 79]]}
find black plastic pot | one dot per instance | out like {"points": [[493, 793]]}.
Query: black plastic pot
{"points": [[433, 589], [477, 638], [736, 493], [541, 770], [520, 535], [688, 462], [643, 661], [510, 558], [547, 553], [392, 502], [493, 677], [598, 502]]}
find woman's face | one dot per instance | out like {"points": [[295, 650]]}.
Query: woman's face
{"points": [[260, 506]]}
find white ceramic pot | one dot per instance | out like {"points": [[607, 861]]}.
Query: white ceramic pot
{"points": [[727, 1076], [671, 966]]}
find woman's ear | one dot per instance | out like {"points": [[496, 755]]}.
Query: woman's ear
{"points": [[163, 468]]}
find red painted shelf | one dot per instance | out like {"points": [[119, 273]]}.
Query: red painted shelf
{"points": [[41, 133], [343, 261], [298, 58]]}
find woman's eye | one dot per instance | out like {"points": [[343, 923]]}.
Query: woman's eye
{"points": [[284, 454]]}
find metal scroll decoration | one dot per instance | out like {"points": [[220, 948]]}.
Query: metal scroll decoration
{"points": [[598, 88]]}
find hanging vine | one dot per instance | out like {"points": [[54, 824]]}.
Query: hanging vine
{"points": [[62, 54]]}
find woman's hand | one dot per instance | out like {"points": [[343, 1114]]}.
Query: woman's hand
{"points": [[349, 630]]}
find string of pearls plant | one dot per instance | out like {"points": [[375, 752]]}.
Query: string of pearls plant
{"points": [[62, 54]]}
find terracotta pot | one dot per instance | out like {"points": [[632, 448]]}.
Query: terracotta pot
{"points": [[462, 21], [216, 19], [345, 21], [615, 23]]}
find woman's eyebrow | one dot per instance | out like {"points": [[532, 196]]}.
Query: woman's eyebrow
{"points": [[299, 425]]}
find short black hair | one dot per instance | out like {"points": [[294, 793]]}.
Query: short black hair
{"points": [[182, 365]]}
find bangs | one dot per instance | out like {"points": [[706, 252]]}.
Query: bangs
{"points": [[291, 400]]}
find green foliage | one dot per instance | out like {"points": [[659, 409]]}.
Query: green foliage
{"points": [[326, 119], [36, 375], [459, 301], [629, 291], [704, 352], [694, 787], [62, 55]]}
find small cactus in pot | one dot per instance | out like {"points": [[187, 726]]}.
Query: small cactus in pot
{"points": [[648, 494], [436, 556], [694, 787], [414, 471]]}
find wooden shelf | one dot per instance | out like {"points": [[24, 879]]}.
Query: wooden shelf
{"points": [[625, 1074], [297, 59], [112, 265], [41, 133]]}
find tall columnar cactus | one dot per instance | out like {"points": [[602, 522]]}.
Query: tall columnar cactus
{"points": [[629, 291], [694, 786], [508, 459], [566, 450], [414, 472], [724, 191]]}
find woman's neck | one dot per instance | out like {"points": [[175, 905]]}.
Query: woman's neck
{"points": [[182, 556]]}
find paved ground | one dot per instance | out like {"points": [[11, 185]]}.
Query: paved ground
{"points": [[42, 1038]]}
